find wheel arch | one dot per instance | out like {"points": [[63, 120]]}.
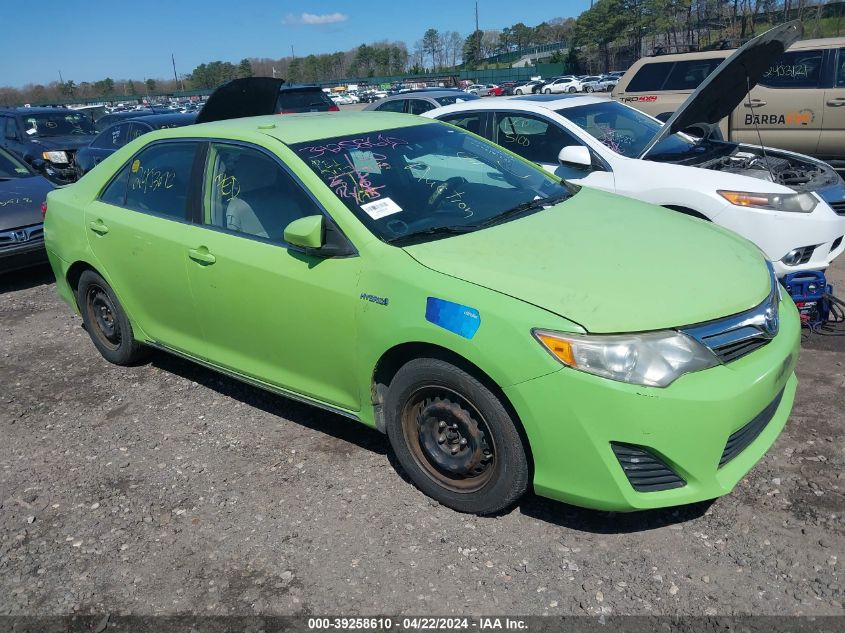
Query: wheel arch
{"points": [[688, 211], [74, 272], [394, 358]]}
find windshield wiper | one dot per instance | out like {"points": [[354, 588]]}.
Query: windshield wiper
{"points": [[540, 203], [433, 232]]}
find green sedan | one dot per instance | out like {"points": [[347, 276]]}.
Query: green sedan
{"points": [[506, 330]]}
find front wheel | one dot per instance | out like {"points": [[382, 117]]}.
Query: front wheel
{"points": [[588, 89], [572, 89], [548, 91], [454, 438], [106, 321]]}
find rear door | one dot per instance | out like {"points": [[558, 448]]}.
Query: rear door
{"points": [[832, 141], [139, 233], [786, 106]]}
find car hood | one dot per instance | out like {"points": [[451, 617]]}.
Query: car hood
{"points": [[20, 201], [725, 88], [610, 264], [70, 141], [249, 96]]}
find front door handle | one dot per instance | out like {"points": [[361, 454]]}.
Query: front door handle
{"points": [[98, 227], [754, 103], [836, 103], [201, 255]]}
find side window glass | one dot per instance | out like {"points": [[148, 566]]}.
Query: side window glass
{"points": [[396, 105], [689, 74], [115, 191], [649, 77], [531, 137], [418, 106], [159, 179], [795, 69], [840, 69], [470, 121], [11, 128], [137, 129], [111, 138], [246, 191]]}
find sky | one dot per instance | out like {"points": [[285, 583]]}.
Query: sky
{"points": [[89, 40]]}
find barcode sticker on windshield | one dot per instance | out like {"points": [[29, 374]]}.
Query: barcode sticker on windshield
{"points": [[381, 208]]}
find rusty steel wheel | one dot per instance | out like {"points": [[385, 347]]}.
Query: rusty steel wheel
{"points": [[449, 438], [454, 437]]}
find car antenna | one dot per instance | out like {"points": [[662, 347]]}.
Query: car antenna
{"points": [[756, 121]]}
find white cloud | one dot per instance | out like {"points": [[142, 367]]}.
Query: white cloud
{"points": [[313, 18]]}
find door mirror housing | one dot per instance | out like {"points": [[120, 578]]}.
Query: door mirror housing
{"points": [[575, 156], [316, 236]]}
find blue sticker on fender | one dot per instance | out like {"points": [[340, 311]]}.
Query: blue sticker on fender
{"points": [[461, 320]]}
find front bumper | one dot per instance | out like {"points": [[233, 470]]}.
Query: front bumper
{"points": [[571, 418]]}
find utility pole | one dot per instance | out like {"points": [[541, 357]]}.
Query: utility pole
{"points": [[175, 76], [61, 81], [292, 54], [477, 32]]}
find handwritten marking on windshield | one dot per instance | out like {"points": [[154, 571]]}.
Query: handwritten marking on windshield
{"points": [[346, 180], [788, 70], [315, 151], [227, 186]]}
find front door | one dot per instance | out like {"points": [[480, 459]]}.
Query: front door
{"points": [[139, 233], [267, 311]]}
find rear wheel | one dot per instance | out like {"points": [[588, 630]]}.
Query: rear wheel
{"points": [[454, 438], [572, 89], [588, 89], [106, 321], [548, 91]]}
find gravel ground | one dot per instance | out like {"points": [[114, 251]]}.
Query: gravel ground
{"points": [[168, 489]]}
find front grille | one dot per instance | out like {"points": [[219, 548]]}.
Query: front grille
{"points": [[23, 235], [739, 440], [838, 207], [644, 470], [736, 336]]}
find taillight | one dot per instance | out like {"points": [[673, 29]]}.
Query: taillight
{"points": [[44, 209], [334, 108]]}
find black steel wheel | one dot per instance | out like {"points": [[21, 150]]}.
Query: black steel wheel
{"points": [[454, 437], [106, 322]]}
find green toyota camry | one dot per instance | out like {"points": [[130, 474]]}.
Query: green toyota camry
{"points": [[506, 330]]}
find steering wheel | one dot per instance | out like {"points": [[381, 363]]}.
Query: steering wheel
{"points": [[442, 189]]}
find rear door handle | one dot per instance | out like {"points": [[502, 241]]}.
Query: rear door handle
{"points": [[838, 102], [98, 227], [754, 103], [201, 255]]}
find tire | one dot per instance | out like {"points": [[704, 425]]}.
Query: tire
{"points": [[572, 89], [588, 89], [454, 438], [517, 91], [106, 321], [547, 91]]}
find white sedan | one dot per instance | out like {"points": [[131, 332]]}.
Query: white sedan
{"points": [[600, 143], [563, 84]]}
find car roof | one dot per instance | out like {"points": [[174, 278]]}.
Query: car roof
{"points": [[537, 103], [298, 128], [183, 118], [36, 110]]}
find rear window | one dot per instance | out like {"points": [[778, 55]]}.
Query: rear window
{"points": [[303, 101]]}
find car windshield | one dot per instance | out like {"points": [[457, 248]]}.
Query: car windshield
{"points": [[303, 100], [455, 99], [58, 123], [624, 130], [11, 167], [426, 181]]}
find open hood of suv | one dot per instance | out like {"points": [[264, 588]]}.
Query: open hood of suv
{"points": [[250, 96], [726, 87]]}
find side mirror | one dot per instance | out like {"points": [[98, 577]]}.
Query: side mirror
{"points": [[575, 156], [317, 237], [305, 232]]}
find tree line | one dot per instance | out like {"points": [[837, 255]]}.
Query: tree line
{"points": [[609, 35]]}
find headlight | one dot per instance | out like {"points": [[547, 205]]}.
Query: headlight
{"points": [[55, 157], [795, 202], [653, 359]]}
